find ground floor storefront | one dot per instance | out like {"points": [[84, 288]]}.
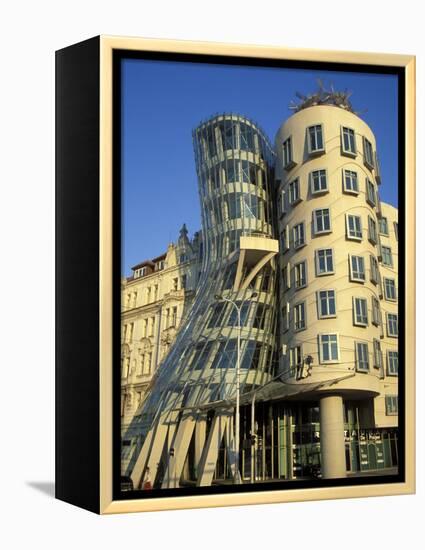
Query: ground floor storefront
{"points": [[286, 443]]}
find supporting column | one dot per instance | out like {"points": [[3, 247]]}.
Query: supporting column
{"points": [[180, 445], [200, 437], [208, 461], [332, 443]]}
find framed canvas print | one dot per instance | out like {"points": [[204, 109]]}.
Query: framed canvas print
{"points": [[235, 274]]}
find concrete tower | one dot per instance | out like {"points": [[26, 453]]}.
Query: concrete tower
{"points": [[332, 263]]}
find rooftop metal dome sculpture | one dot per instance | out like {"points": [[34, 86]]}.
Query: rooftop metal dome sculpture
{"points": [[323, 97]]}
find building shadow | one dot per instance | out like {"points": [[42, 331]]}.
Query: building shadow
{"points": [[46, 487]]}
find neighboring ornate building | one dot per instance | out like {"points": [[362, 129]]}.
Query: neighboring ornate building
{"points": [[154, 301]]}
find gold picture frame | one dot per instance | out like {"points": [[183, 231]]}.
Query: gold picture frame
{"points": [[102, 500]]}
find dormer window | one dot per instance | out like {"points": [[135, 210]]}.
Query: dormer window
{"points": [[140, 272]]}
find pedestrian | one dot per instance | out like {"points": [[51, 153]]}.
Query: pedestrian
{"points": [[147, 484]]}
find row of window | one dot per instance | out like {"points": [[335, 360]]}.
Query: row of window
{"points": [[322, 225], [223, 355], [245, 205], [142, 271], [144, 365], [151, 292], [297, 276], [325, 265], [232, 171], [318, 184], [228, 135], [148, 325], [257, 312], [316, 145], [326, 309], [329, 352]]}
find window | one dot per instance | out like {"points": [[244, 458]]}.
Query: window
{"points": [[282, 203], [125, 368], [174, 316], [328, 348], [184, 281], [383, 227], [232, 321], [391, 405], [295, 359], [140, 272], [368, 153], [294, 192], [373, 237], [284, 239], [360, 312], [362, 357], [324, 261], [387, 257], [246, 137], [348, 141], [350, 182], [376, 312], [300, 274], [260, 316], [392, 325], [288, 161], [245, 169], [218, 311], [286, 282], [357, 271], [315, 139], [152, 326], [321, 221], [370, 192], [374, 270], [148, 364], [128, 332], [392, 363], [353, 227], [299, 316], [145, 328], [234, 205], [326, 304], [377, 354], [286, 316], [389, 289], [175, 283], [396, 230], [299, 235], [318, 182]]}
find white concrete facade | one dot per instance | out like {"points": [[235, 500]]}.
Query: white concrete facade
{"points": [[334, 261]]}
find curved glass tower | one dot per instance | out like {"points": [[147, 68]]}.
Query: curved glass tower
{"points": [[188, 412]]}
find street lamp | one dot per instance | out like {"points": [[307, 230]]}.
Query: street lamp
{"points": [[238, 380]]}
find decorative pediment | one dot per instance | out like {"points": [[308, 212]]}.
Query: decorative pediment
{"points": [[145, 345], [125, 350], [168, 335]]}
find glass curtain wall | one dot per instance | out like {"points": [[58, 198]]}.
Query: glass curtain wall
{"points": [[234, 163]]}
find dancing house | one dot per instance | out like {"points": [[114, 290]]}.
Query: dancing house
{"points": [[285, 364]]}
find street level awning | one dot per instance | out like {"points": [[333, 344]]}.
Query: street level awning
{"points": [[274, 390]]}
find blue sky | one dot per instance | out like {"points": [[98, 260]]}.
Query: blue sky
{"points": [[163, 101]]}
